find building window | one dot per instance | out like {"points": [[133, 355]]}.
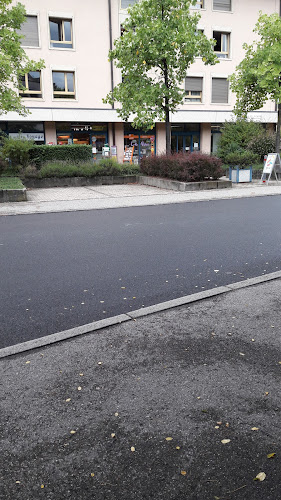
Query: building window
{"points": [[224, 5], [29, 31], [200, 4], [222, 44], [32, 85], [220, 90], [127, 3], [63, 85], [193, 89], [61, 33]]}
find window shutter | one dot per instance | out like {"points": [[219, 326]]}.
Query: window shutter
{"points": [[222, 5], [30, 31], [125, 3], [194, 83], [220, 90]]}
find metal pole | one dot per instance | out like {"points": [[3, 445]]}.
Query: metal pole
{"points": [[111, 62]]}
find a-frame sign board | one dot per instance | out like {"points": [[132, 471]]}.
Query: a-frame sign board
{"points": [[272, 161]]}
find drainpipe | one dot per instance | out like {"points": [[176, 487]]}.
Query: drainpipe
{"points": [[111, 62]]}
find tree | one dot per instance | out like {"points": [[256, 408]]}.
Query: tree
{"points": [[258, 76], [159, 43], [13, 60]]}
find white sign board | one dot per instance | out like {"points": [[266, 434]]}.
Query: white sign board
{"points": [[273, 159], [30, 136]]}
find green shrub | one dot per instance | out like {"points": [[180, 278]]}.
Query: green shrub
{"points": [[236, 137], [242, 159], [108, 166], [72, 153], [263, 144], [15, 152], [186, 167]]}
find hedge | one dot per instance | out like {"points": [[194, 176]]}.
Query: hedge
{"points": [[186, 167], [41, 154]]}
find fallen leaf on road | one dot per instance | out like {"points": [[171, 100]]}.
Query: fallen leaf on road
{"points": [[241, 353], [27, 362], [227, 424], [266, 393], [79, 388], [116, 414], [169, 438], [17, 482], [102, 301], [217, 426], [271, 455], [67, 400], [254, 428], [99, 363], [72, 432], [81, 374], [42, 486], [92, 474], [260, 476], [113, 435], [133, 448], [225, 441], [183, 472], [178, 448]]}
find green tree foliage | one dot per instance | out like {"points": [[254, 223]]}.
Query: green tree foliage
{"points": [[13, 59], [159, 43], [244, 142], [257, 77]]}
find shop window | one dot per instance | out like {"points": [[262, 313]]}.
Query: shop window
{"points": [[224, 5], [61, 33], [63, 85], [222, 44], [29, 31], [220, 90], [32, 85], [193, 89]]}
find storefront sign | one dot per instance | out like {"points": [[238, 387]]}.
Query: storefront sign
{"points": [[30, 136], [81, 128]]}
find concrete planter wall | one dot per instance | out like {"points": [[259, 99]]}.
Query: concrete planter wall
{"points": [[183, 186], [50, 182], [12, 195]]}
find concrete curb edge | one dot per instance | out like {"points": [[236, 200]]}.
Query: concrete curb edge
{"points": [[132, 315]]}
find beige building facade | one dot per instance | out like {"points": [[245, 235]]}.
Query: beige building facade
{"points": [[65, 99]]}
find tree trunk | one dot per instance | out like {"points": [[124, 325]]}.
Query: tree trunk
{"points": [[277, 144], [168, 131]]}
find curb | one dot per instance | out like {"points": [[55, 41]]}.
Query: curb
{"points": [[132, 315]]}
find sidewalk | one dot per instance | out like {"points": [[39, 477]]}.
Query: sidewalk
{"points": [[117, 196], [180, 404]]}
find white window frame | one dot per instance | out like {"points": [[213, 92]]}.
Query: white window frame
{"points": [[59, 92], [201, 5], [61, 16], [122, 8], [34, 13], [27, 91], [202, 93], [225, 11], [224, 77], [222, 32]]}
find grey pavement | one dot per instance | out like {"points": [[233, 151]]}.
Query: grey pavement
{"points": [[180, 404], [70, 199]]}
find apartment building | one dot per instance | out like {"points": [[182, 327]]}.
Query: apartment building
{"points": [[65, 98]]}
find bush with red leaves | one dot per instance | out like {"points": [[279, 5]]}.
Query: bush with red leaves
{"points": [[185, 167]]}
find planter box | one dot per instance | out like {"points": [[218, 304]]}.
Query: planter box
{"points": [[238, 174], [12, 195]]}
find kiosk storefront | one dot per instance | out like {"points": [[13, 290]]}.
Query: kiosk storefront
{"points": [[138, 144], [95, 134]]}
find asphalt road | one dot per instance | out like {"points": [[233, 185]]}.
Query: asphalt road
{"points": [[67, 269], [89, 419]]}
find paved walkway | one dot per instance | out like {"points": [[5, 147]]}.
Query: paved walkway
{"points": [[68, 199]]}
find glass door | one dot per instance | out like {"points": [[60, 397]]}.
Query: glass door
{"points": [[98, 141]]}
